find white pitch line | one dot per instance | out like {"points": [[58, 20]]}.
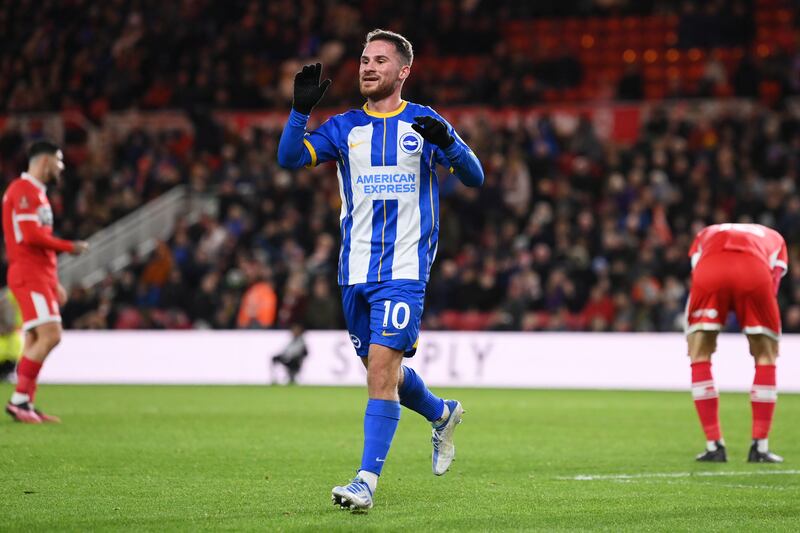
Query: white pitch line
{"points": [[682, 482], [600, 477]]}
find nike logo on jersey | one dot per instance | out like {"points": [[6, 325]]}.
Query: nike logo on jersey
{"points": [[379, 460], [353, 145], [387, 334]]}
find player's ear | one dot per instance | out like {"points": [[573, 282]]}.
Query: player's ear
{"points": [[405, 71]]}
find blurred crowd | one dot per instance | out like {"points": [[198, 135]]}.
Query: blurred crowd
{"points": [[190, 54], [569, 232]]}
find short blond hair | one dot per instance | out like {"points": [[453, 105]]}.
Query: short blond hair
{"points": [[402, 44]]}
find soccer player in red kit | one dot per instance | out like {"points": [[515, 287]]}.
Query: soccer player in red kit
{"points": [[736, 267], [31, 249]]}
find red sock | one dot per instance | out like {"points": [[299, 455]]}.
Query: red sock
{"points": [[27, 372], [706, 399], [763, 396]]}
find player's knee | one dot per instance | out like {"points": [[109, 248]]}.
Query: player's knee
{"points": [[702, 345], [764, 349], [382, 380]]}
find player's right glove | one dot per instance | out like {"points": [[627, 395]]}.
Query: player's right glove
{"points": [[308, 90]]}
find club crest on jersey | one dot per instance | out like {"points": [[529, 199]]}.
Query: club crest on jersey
{"points": [[410, 143], [45, 213], [356, 341]]}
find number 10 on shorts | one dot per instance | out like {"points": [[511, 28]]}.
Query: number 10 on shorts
{"points": [[400, 314]]}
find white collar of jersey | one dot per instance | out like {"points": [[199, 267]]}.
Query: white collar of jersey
{"points": [[390, 114], [35, 181]]}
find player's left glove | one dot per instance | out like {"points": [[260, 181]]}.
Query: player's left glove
{"points": [[434, 131]]}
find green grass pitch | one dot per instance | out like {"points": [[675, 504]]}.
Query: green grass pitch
{"points": [[250, 458]]}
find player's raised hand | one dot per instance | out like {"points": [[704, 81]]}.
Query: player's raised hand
{"points": [[433, 130], [79, 247], [308, 90]]}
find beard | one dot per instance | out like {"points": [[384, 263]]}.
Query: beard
{"points": [[54, 176], [378, 91]]}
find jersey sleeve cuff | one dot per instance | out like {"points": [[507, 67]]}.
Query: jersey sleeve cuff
{"points": [[297, 118], [453, 151]]}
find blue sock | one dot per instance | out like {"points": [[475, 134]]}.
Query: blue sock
{"points": [[380, 423], [416, 396]]}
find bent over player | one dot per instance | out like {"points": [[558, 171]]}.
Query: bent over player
{"points": [[32, 277], [386, 153], [736, 267]]}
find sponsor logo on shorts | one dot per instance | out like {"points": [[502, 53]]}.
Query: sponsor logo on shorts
{"points": [[356, 341], [705, 313]]}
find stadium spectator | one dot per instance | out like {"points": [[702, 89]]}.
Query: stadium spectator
{"points": [[259, 306], [292, 356], [62, 56]]}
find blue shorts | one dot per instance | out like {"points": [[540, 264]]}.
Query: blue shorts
{"points": [[388, 313]]}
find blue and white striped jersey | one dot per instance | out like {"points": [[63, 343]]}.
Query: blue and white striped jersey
{"points": [[389, 220]]}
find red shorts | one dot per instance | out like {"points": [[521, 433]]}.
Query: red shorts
{"points": [[735, 281], [38, 302]]}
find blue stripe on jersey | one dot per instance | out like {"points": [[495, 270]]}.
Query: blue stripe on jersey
{"points": [[425, 211], [376, 242], [347, 223], [389, 238], [384, 142], [390, 146], [378, 140], [384, 232]]}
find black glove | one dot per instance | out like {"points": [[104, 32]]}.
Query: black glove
{"points": [[434, 131], [307, 89]]}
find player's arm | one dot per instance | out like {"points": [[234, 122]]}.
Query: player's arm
{"points": [[452, 151], [777, 276], [24, 208], [295, 149], [781, 266], [696, 250], [34, 234]]}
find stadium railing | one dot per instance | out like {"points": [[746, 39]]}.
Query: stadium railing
{"points": [[140, 231]]}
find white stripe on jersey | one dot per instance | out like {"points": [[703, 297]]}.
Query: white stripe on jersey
{"points": [[359, 142], [406, 252]]}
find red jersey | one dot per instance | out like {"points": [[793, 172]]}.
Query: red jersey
{"points": [[754, 239], [28, 232]]}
